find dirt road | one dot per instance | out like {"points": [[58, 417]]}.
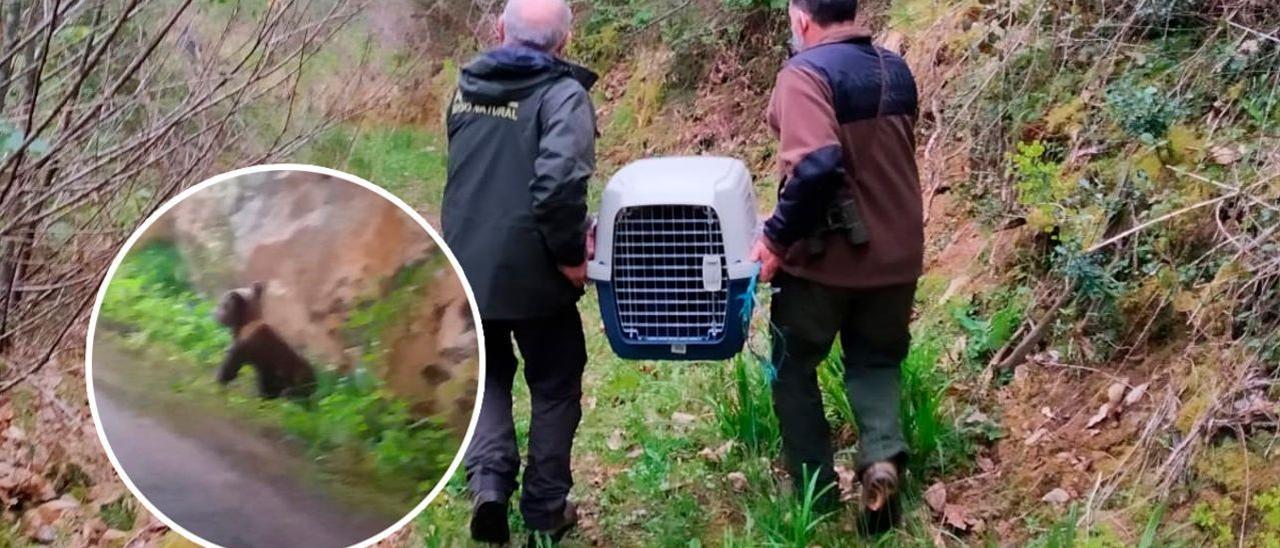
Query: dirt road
{"points": [[225, 481]]}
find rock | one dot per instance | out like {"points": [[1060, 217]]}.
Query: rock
{"points": [[323, 246], [936, 497], [1057, 496], [1116, 392], [318, 243]]}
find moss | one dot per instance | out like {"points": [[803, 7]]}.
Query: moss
{"points": [[642, 100], [1215, 519]]}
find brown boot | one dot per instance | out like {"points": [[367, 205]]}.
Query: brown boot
{"points": [[881, 508]]}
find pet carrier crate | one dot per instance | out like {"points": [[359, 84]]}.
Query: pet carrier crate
{"points": [[672, 264]]}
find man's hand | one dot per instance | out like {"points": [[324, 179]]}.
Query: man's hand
{"points": [[769, 261], [577, 275], [591, 240]]}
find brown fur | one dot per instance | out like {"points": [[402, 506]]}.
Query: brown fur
{"points": [[281, 370]]}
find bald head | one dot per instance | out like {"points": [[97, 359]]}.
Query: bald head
{"points": [[538, 24]]}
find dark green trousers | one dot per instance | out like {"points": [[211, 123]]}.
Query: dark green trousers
{"points": [[873, 325]]}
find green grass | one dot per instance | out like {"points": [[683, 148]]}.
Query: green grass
{"points": [[120, 514], [651, 480], [408, 161]]}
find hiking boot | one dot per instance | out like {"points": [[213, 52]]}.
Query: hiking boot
{"points": [[553, 536], [881, 507], [489, 520]]}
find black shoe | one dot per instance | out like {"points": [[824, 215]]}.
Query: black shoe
{"points": [[489, 522], [881, 505], [553, 536]]}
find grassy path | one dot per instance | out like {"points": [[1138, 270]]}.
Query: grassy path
{"points": [[679, 453], [667, 453]]}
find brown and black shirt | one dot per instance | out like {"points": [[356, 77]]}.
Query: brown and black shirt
{"points": [[844, 111]]}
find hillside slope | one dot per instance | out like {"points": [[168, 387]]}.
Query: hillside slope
{"points": [[1096, 334]]}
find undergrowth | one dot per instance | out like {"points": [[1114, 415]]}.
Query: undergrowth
{"points": [[406, 160]]}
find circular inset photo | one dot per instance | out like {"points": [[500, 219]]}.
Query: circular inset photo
{"points": [[285, 356]]}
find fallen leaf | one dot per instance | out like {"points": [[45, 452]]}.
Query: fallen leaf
{"points": [[1225, 155], [1057, 496], [956, 517], [977, 417], [1115, 393], [936, 497], [1101, 415], [614, 441], [105, 493], [1035, 437], [40, 519], [1136, 394], [683, 419], [738, 480], [716, 454], [986, 464], [44, 534]]}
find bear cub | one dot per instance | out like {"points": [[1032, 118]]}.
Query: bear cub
{"points": [[281, 370]]}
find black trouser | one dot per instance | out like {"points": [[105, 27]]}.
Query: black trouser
{"points": [[874, 331], [555, 354]]}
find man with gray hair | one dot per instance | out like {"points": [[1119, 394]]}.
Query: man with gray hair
{"points": [[521, 150]]}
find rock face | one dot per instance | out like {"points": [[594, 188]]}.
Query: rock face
{"points": [[322, 245]]}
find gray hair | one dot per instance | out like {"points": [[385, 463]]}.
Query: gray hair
{"points": [[539, 24]]}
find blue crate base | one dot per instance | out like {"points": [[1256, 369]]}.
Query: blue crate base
{"points": [[729, 345]]}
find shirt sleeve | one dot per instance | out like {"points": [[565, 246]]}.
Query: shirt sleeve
{"points": [[810, 155], [564, 166]]}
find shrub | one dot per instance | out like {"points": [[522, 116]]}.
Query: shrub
{"points": [[1142, 111], [352, 413], [151, 295]]}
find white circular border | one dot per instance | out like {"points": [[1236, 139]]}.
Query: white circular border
{"points": [[453, 261]]}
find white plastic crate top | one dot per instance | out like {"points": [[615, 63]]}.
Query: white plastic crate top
{"points": [[673, 241]]}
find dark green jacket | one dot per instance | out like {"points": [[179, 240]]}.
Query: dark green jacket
{"points": [[522, 135]]}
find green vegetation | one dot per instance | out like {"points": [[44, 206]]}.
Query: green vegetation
{"points": [[120, 514], [674, 453], [373, 321], [408, 161], [348, 416], [747, 417]]}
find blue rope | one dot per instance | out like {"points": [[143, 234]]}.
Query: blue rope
{"points": [[748, 306], [749, 299]]}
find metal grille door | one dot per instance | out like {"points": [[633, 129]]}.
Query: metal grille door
{"points": [[670, 274]]}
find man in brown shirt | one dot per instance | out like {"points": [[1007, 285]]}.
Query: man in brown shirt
{"points": [[845, 246]]}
